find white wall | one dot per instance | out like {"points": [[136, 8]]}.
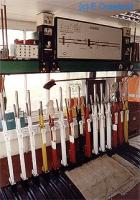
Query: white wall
{"points": [[24, 25], [21, 25]]}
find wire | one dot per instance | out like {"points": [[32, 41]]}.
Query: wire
{"points": [[129, 76]]}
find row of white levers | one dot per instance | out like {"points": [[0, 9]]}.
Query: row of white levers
{"points": [[98, 117]]}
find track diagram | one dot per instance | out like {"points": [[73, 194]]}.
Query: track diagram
{"points": [[80, 40], [88, 42]]}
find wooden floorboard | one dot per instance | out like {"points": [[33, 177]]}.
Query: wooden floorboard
{"points": [[134, 194]]}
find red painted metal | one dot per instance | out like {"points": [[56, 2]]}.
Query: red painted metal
{"points": [[114, 125], [88, 151], [55, 160], [72, 147]]}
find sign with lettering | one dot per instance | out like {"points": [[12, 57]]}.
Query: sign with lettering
{"points": [[82, 40]]}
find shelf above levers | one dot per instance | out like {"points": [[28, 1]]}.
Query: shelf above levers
{"points": [[136, 66], [19, 66], [32, 66], [93, 65]]}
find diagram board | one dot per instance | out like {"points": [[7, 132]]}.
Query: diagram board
{"points": [[81, 40]]}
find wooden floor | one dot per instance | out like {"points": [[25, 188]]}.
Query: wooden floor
{"points": [[4, 175], [134, 194]]}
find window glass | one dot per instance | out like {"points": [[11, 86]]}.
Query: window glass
{"points": [[54, 91], [74, 75], [78, 83], [14, 83], [35, 83], [29, 35], [12, 35], [106, 74], [21, 83]]}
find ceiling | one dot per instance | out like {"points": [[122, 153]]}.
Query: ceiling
{"points": [[26, 10]]}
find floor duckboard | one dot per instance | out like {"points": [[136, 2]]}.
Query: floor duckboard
{"points": [[57, 185]]}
